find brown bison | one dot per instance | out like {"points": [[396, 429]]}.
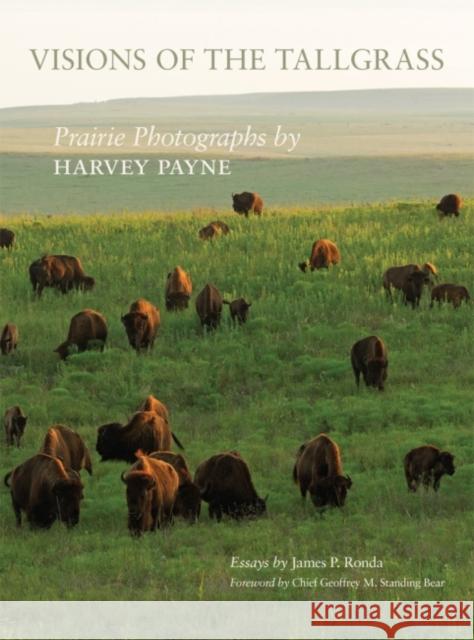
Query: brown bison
{"points": [[396, 276], [153, 404], [86, 327], [225, 483], [178, 290], [146, 431], [15, 422], [369, 357], [188, 498], [59, 271], [209, 306], [141, 324], [323, 253], [67, 445], [246, 201], [152, 486], [239, 309], [213, 229], [428, 465], [8, 339], [318, 469], [46, 491], [7, 238], [453, 293], [449, 205], [413, 287]]}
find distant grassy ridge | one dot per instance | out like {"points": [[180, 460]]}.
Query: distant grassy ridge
{"points": [[263, 389]]}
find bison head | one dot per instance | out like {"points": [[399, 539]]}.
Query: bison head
{"points": [[331, 491], [303, 265], [377, 373], [135, 324], [108, 441], [446, 462], [69, 494], [139, 500], [87, 283], [63, 350]]}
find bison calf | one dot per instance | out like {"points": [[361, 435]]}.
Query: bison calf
{"points": [[85, 327], [453, 293], [8, 339], [427, 464], [369, 357], [239, 309], [15, 423], [141, 324], [318, 469]]}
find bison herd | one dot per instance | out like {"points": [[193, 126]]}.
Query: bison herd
{"points": [[159, 485]]}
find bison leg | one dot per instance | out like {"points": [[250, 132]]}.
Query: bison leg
{"points": [[17, 510], [437, 480], [215, 510], [426, 479]]}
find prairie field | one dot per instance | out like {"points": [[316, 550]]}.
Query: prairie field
{"points": [[263, 389]]}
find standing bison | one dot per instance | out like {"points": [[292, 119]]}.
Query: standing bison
{"points": [[67, 445], [209, 306], [239, 310], [152, 486], [246, 201], [318, 469], [453, 293], [369, 357], [46, 491], [86, 327], [225, 483], [15, 422], [178, 290], [427, 464], [8, 339], [323, 254], [396, 277], [60, 272], [449, 205], [7, 238], [141, 324]]}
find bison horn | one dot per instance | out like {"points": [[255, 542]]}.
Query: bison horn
{"points": [[122, 476]]}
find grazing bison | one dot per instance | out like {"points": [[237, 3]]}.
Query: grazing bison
{"points": [[449, 205], [323, 253], [225, 483], [428, 465], [146, 431], [46, 491], [453, 293], [8, 339], [209, 306], [396, 276], [7, 238], [86, 326], [213, 229], [152, 486], [178, 290], [239, 309], [318, 469], [188, 498], [59, 271], [413, 287], [153, 404], [369, 357], [15, 422], [67, 445], [244, 202], [141, 324]]}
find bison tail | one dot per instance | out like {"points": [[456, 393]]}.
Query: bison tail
{"points": [[6, 479], [177, 441]]}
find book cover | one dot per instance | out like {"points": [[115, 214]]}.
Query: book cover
{"points": [[235, 319]]}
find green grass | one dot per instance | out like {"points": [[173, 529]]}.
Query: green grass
{"points": [[264, 389]]}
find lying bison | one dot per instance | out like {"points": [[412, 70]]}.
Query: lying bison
{"points": [[86, 327], [153, 404], [67, 445], [453, 293], [8, 339], [209, 306], [188, 497], [141, 324], [318, 469], [323, 254], [7, 238], [146, 431], [46, 491], [15, 422], [239, 309], [428, 465], [449, 205], [397, 276], [369, 357], [213, 230], [152, 486], [225, 483], [60, 272], [246, 201], [178, 290]]}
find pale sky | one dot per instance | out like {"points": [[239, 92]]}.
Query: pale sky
{"points": [[153, 25]]}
